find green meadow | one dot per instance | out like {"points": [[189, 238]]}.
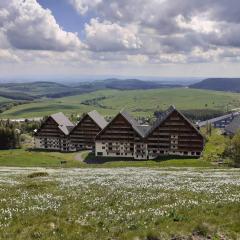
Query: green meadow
{"points": [[139, 102], [119, 203]]}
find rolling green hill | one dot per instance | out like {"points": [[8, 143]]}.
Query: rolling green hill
{"points": [[219, 84], [38, 90], [139, 102]]}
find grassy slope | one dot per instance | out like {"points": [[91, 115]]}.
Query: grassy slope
{"points": [[140, 102], [90, 205], [24, 158], [3, 100]]}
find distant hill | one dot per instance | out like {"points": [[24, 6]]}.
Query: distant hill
{"points": [[37, 90], [219, 84], [132, 84]]}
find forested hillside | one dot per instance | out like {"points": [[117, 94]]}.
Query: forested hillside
{"points": [[219, 84]]}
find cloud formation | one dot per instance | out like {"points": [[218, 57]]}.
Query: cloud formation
{"points": [[148, 33], [26, 25], [107, 36]]}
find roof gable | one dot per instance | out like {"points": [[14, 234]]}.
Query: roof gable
{"points": [[164, 116], [95, 117], [98, 119], [61, 119], [140, 130]]}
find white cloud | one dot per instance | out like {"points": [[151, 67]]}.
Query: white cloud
{"points": [[8, 56], [82, 6], [108, 36], [28, 26]]}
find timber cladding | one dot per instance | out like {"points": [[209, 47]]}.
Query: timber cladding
{"points": [[83, 134], [171, 134]]}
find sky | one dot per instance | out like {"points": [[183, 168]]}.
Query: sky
{"points": [[87, 38]]}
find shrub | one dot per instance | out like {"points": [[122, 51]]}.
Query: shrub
{"points": [[38, 174]]}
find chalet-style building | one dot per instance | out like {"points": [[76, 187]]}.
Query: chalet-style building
{"points": [[83, 135], [174, 134], [122, 137], [171, 134], [54, 133]]}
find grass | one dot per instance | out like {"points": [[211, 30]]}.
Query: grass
{"points": [[215, 146], [4, 100], [26, 158], [120, 204], [139, 102]]}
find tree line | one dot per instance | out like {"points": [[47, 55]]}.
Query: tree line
{"points": [[10, 132]]}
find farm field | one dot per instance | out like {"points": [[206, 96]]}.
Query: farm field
{"points": [[120, 203], [139, 102], [4, 100]]}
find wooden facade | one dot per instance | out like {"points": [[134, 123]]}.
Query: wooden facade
{"points": [[83, 134], [121, 138], [174, 134], [171, 134], [53, 134]]}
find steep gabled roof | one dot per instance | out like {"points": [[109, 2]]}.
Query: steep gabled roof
{"points": [[98, 119], [64, 124], [61, 119], [234, 126], [141, 130], [165, 115]]}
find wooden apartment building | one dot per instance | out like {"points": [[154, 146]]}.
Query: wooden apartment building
{"points": [[59, 134], [54, 133], [83, 134], [123, 136], [171, 134]]}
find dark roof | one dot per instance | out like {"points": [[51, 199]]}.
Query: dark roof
{"points": [[61, 119], [145, 130], [234, 126], [165, 115], [64, 124], [213, 120], [161, 118], [140, 129], [98, 119]]}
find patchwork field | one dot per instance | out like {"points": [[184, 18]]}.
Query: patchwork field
{"points": [[139, 102], [120, 203]]}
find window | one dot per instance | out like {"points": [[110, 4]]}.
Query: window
{"points": [[185, 153], [103, 147], [99, 153], [118, 153], [193, 153]]}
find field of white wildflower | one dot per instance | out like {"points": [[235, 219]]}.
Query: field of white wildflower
{"points": [[119, 203]]}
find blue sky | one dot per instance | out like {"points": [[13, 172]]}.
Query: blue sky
{"points": [[66, 15], [158, 38]]}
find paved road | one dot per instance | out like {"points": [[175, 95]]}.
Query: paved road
{"points": [[79, 157]]}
